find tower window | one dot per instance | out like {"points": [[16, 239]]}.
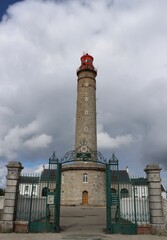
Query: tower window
{"points": [[85, 178], [86, 99], [62, 178], [86, 112], [86, 129]]}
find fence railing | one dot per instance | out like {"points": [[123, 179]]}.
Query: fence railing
{"points": [[142, 210], [31, 201]]}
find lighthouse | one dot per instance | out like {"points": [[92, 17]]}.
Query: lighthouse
{"points": [[86, 104], [83, 179]]}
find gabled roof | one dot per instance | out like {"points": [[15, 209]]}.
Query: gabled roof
{"points": [[162, 188], [141, 181], [119, 176], [29, 179], [48, 174]]}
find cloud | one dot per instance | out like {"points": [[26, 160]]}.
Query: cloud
{"points": [[38, 142], [3, 173], [23, 138], [106, 141], [41, 43]]}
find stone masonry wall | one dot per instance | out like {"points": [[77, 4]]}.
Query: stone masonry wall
{"points": [[86, 110], [164, 204], [73, 187]]}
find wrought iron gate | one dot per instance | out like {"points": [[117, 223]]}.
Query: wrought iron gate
{"points": [[126, 200], [39, 199]]}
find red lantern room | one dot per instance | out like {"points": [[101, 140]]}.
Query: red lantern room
{"points": [[87, 59], [86, 62]]}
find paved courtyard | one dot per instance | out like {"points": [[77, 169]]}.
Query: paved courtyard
{"points": [[77, 236], [82, 223], [83, 219]]}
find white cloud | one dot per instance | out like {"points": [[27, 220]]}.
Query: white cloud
{"points": [[37, 169], [23, 138], [104, 140], [38, 142], [3, 173]]}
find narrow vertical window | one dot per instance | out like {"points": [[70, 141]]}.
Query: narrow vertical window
{"points": [[85, 177], [62, 179], [34, 188], [26, 190]]}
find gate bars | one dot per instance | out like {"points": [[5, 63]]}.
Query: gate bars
{"points": [[39, 199], [126, 200]]}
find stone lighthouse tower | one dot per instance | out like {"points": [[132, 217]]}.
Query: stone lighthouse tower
{"points": [[86, 104], [83, 179]]}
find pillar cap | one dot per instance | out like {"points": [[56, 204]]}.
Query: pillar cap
{"points": [[14, 164], [152, 167]]}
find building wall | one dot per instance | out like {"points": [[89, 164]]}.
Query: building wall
{"points": [[164, 203], [73, 186], [26, 189]]}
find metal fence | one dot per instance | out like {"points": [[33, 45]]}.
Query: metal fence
{"points": [[134, 202], [38, 200], [141, 213], [31, 203], [127, 200]]}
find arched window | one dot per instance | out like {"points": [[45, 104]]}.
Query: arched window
{"points": [[85, 178], [44, 191], [124, 193], [113, 190]]}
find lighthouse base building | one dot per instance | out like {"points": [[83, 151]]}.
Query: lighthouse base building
{"points": [[83, 184]]}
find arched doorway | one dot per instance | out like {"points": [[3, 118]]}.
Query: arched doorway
{"points": [[85, 198], [124, 193]]}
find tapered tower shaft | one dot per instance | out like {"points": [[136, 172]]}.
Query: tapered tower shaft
{"points": [[86, 104]]}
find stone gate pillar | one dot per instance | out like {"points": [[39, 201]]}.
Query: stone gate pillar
{"points": [[155, 198], [11, 193]]}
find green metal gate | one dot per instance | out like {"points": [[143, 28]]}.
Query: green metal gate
{"points": [[120, 200], [127, 204], [39, 199]]}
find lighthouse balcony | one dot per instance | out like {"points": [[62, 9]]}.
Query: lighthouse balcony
{"points": [[86, 67]]}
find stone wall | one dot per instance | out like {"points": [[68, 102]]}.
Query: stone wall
{"points": [[12, 189], [157, 204], [86, 110], [164, 204]]}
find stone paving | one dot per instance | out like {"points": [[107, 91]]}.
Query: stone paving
{"points": [[77, 236], [79, 223]]}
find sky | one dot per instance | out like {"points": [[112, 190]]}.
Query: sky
{"points": [[41, 42]]}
